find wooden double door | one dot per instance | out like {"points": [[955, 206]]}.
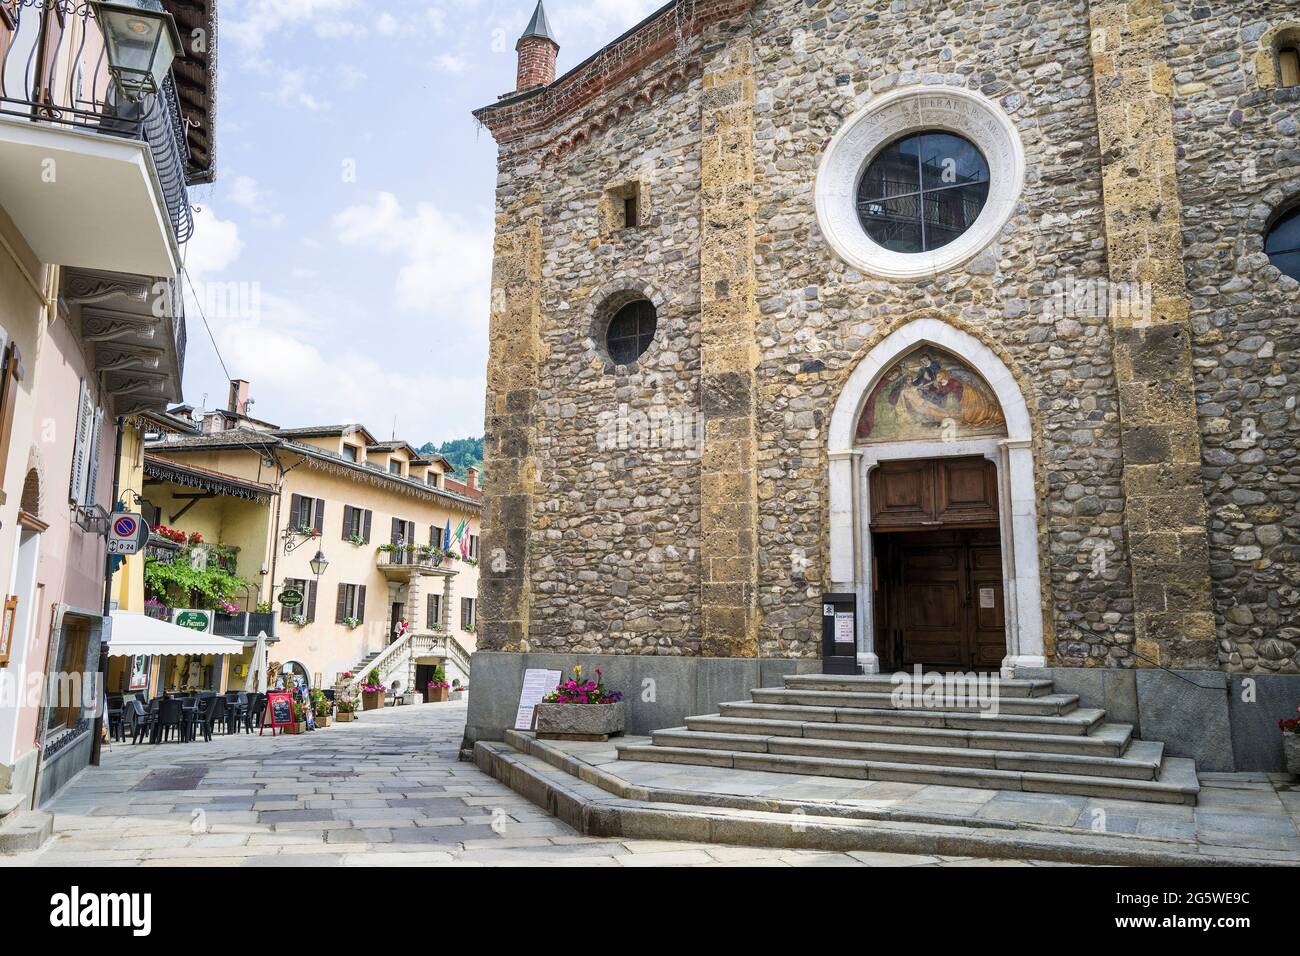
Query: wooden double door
{"points": [[937, 557]]}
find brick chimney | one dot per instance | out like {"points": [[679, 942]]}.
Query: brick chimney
{"points": [[471, 478], [238, 401], [537, 52]]}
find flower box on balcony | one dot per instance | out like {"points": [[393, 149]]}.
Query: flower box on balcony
{"points": [[579, 721]]}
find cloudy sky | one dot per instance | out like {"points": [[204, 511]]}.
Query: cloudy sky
{"points": [[343, 255]]}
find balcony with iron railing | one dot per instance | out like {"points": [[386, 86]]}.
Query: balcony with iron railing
{"points": [[92, 179], [400, 562]]}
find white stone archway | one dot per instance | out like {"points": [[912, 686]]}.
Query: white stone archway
{"points": [[851, 465]]}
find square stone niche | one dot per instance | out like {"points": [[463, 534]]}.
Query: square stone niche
{"points": [[624, 206]]}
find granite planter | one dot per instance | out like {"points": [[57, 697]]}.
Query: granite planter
{"points": [[1291, 753], [372, 700], [579, 721]]}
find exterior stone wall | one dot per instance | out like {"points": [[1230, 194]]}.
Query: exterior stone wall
{"points": [[619, 550], [1238, 166]]}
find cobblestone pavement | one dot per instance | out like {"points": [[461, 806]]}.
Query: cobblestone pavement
{"points": [[384, 790]]}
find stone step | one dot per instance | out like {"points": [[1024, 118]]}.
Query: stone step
{"points": [[1176, 782], [9, 803], [1013, 687], [25, 831], [1079, 721], [1107, 740], [1140, 762], [1048, 704]]}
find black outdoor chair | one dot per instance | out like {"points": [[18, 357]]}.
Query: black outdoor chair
{"points": [[236, 702], [171, 716], [211, 711], [142, 721]]}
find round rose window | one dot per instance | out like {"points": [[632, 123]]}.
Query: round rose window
{"points": [[922, 191]]}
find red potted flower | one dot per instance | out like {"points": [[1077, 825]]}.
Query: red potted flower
{"points": [[372, 692]]}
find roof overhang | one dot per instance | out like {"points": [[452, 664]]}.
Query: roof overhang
{"points": [[134, 329]]}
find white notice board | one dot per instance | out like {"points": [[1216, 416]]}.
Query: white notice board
{"points": [[537, 684], [844, 627]]}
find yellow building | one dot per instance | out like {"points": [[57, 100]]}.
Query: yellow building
{"points": [[393, 592]]}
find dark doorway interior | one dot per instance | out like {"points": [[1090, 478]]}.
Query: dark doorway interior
{"points": [[393, 619], [937, 564], [939, 599]]}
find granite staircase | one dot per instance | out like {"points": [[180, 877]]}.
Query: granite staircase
{"points": [[1033, 740]]}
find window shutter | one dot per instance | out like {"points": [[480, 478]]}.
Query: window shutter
{"points": [[365, 531], [432, 611], [76, 486], [311, 601], [341, 611], [361, 603], [347, 521], [410, 532], [295, 505], [433, 535], [397, 530], [92, 479], [319, 525], [8, 398]]}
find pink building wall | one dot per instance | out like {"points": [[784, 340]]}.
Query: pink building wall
{"points": [[70, 567]]}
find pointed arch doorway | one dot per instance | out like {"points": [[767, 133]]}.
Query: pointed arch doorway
{"points": [[933, 510]]}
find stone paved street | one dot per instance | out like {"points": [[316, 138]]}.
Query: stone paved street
{"points": [[384, 790]]}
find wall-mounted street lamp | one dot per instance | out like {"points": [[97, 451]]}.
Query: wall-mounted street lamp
{"points": [[141, 41], [319, 563]]}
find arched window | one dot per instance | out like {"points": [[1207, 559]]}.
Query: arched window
{"points": [[631, 331], [1282, 244]]}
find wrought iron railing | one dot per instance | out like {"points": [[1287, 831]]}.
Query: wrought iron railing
{"points": [[54, 71], [411, 556]]}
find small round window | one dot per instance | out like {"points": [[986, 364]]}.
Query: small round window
{"points": [[631, 331], [922, 191], [1282, 244]]}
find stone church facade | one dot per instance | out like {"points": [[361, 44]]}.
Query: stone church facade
{"points": [[977, 316]]}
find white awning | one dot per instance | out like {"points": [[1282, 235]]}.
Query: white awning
{"points": [[135, 633]]}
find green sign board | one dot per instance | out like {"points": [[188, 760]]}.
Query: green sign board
{"points": [[194, 620], [291, 597]]}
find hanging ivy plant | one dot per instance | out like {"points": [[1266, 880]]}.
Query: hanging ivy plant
{"points": [[206, 587]]}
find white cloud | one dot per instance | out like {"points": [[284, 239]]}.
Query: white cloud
{"points": [[447, 260], [245, 192], [214, 245], [254, 21], [450, 63], [297, 381], [292, 90]]}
